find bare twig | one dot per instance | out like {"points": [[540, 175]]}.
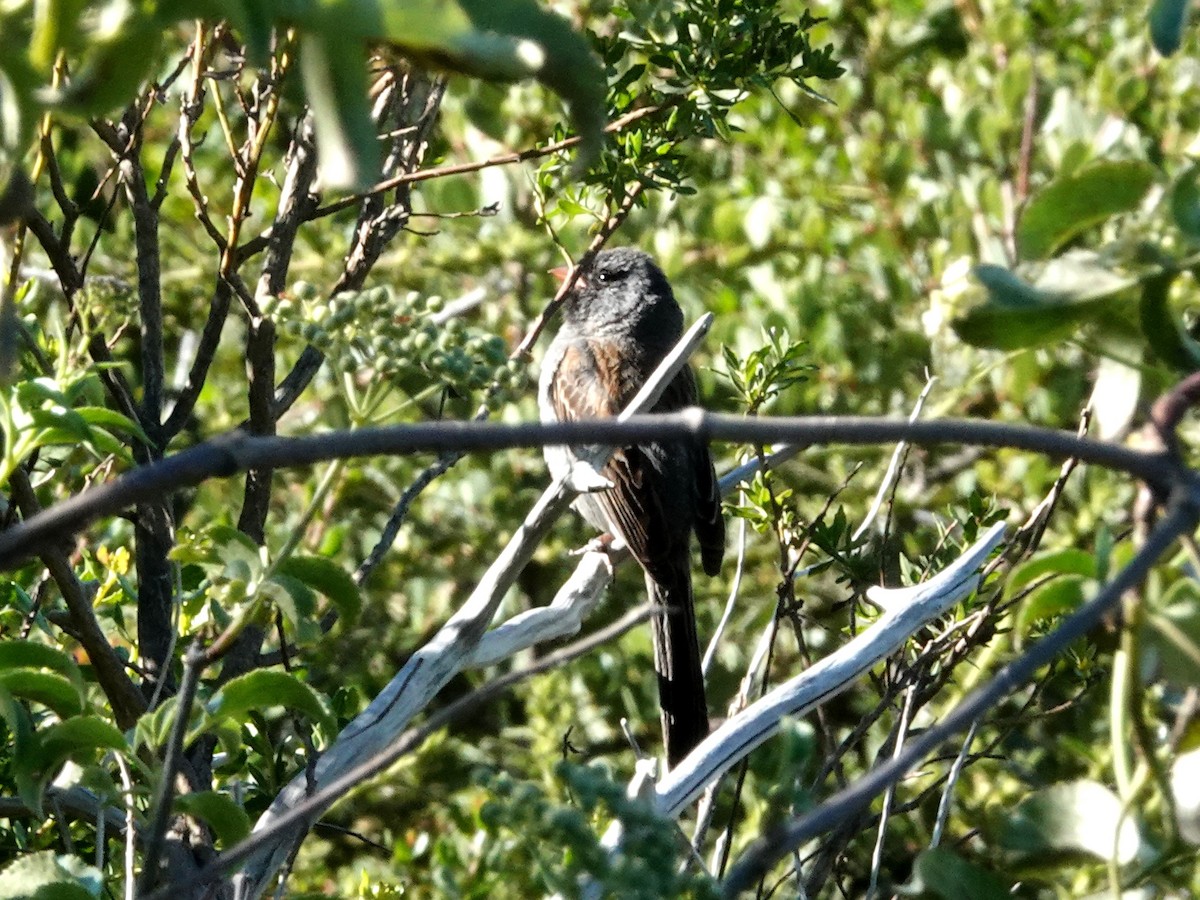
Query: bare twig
{"points": [[504, 159], [165, 793]]}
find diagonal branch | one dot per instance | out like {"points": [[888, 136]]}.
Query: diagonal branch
{"points": [[127, 701], [406, 743]]}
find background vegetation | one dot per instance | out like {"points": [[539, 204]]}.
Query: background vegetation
{"points": [[997, 199]]}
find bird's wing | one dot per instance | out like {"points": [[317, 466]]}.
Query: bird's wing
{"points": [[709, 522], [633, 508]]}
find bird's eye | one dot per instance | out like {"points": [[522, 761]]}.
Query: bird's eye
{"points": [[603, 277]]}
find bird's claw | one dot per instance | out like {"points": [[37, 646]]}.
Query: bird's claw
{"points": [[605, 543]]}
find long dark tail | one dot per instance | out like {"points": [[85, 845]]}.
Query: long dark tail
{"points": [[677, 661]]}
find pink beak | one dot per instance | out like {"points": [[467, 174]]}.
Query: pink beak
{"points": [[563, 272]]}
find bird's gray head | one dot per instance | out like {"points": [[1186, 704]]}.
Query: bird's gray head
{"points": [[623, 290]]}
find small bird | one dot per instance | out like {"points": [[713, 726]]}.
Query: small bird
{"points": [[619, 321]]}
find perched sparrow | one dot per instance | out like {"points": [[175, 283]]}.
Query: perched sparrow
{"points": [[620, 320]]}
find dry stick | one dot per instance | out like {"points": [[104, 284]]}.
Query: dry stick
{"points": [[406, 743], [237, 452], [905, 610], [892, 474], [164, 795], [943, 813], [889, 794], [1182, 517], [504, 159]]}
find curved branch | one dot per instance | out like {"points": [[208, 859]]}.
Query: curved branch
{"points": [[238, 452], [905, 611]]}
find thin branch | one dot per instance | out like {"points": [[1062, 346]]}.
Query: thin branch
{"points": [[206, 351], [504, 159], [127, 701], [165, 793], [149, 282]]}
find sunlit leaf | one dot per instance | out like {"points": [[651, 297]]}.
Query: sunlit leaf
{"points": [[265, 690], [1065, 293], [46, 875], [32, 655], [1082, 816], [51, 690], [1069, 206], [228, 820], [79, 735], [328, 578]]}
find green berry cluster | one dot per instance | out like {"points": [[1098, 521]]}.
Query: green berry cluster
{"points": [[398, 336]]}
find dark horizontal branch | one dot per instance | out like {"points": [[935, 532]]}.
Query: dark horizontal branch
{"points": [[239, 452]]}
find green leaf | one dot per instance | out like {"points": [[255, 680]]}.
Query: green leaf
{"points": [[1067, 292], [1082, 816], [236, 551], [292, 596], [116, 64], [1068, 206], [50, 690], [327, 578], [25, 745], [228, 820], [334, 68], [31, 655], [1185, 203], [1070, 561], [1171, 635], [264, 690], [501, 40], [109, 420], [943, 873], [1163, 330], [1062, 595], [46, 875], [1167, 19], [567, 64], [81, 733], [153, 728]]}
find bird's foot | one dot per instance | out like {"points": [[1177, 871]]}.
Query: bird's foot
{"points": [[605, 543]]}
